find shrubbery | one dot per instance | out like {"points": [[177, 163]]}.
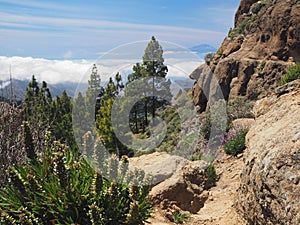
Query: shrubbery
{"points": [[236, 145], [212, 176], [239, 107], [293, 73], [61, 187]]}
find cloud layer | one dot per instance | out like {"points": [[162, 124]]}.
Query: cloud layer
{"points": [[52, 71], [56, 71]]}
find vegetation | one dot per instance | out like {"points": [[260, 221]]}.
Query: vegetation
{"points": [[11, 151], [258, 6], [45, 114], [220, 53], [212, 176], [152, 67], [154, 97], [209, 57], [49, 179], [236, 145], [239, 107], [179, 218], [61, 187], [51, 182], [293, 73], [261, 67], [245, 25]]}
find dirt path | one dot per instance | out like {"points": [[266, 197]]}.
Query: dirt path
{"points": [[218, 209]]}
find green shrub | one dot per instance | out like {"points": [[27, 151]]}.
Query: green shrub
{"points": [[239, 107], [205, 128], [243, 27], [219, 52], [261, 67], [292, 73], [61, 187], [212, 176], [179, 218], [237, 145], [196, 156], [259, 6]]}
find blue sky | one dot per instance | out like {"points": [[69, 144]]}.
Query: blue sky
{"points": [[73, 29]]}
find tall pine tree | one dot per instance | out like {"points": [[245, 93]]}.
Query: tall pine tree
{"points": [[152, 72]]}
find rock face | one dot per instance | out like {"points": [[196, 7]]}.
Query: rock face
{"points": [[269, 192], [252, 59]]}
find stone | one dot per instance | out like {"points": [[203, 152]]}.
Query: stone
{"points": [[242, 123], [185, 189], [252, 64], [269, 183], [160, 165]]}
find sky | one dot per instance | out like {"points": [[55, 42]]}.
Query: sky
{"points": [[46, 33]]}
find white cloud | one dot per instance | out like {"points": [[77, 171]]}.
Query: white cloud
{"points": [[180, 61], [55, 71], [52, 71], [4, 84], [89, 24], [182, 69]]}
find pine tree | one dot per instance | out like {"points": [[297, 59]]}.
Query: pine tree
{"points": [[153, 60], [80, 125], [93, 93], [37, 110], [95, 80], [30, 98], [119, 84], [151, 73], [62, 127], [153, 63], [43, 114]]}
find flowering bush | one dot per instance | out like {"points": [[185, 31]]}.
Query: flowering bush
{"points": [[234, 144], [61, 187]]}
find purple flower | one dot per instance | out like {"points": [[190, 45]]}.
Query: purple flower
{"points": [[224, 138], [206, 149]]}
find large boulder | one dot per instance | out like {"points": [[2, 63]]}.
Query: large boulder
{"points": [[178, 183], [160, 165], [185, 190], [269, 192]]}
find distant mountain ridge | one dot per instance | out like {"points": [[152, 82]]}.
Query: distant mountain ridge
{"points": [[203, 48], [19, 88]]}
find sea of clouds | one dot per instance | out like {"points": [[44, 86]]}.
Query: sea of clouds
{"points": [[180, 62]]}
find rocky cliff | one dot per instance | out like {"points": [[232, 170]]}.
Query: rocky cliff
{"points": [[269, 190], [254, 56]]}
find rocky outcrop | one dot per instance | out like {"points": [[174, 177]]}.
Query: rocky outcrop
{"points": [[270, 181], [185, 190], [160, 165], [252, 59], [177, 182]]}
